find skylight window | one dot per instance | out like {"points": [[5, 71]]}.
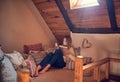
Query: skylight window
{"points": [[74, 4]]}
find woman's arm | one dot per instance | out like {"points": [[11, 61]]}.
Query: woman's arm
{"points": [[72, 57]]}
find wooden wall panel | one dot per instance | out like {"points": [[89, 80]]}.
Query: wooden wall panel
{"points": [[94, 17], [53, 17], [117, 11]]}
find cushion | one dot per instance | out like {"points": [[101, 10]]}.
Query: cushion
{"points": [[16, 58], [1, 53], [8, 72], [1, 80], [77, 51], [31, 65], [38, 57], [70, 64], [36, 47], [87, 60]]}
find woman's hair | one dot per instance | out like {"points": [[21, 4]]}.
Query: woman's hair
{"points": [[68, 41]]}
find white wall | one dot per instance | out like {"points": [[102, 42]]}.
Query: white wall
{"points": [[21, 23], [103, 45]]}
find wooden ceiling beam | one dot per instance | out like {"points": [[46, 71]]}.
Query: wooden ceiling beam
{"points": [[40, 1], [64, 13], [112, 15]]}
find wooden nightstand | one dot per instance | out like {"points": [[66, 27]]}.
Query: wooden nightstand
{"points": [[23, 75]]}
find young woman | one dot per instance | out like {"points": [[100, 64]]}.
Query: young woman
{"points": [[55, 59], [51, 60]]}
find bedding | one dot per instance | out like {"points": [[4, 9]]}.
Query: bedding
{"points": [[16, 58], [1, 80], [59, 75], [8, 72], [1, 53]]}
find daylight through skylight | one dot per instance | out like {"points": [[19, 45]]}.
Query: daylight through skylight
{"points": [[74, 4]]}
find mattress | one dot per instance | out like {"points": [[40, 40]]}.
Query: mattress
{"points": [[59, 75]]}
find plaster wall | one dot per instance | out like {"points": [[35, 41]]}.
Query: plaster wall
{"points": [[21, 23], [102, 45]]}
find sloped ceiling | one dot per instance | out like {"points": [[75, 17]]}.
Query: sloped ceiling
{"points": [[53, 17], [61, 19]]}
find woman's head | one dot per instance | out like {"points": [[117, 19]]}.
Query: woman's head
{"points": [[67, 41]]}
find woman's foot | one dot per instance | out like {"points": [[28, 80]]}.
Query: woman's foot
{"points": [[37, 70], [36, 75]]}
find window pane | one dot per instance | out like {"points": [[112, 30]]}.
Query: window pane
{"points": [[74, 4]]}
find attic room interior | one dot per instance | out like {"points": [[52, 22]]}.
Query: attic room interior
{"points": [[32, 24]]}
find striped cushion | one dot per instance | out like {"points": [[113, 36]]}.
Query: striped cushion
{"points": [[87, 60], [70, 64], [31, 65], [38, 57]]}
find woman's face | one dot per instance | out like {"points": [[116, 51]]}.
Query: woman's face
{"points": [[64, 41]]}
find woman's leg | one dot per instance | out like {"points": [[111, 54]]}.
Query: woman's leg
{"points": [[52, 61], [46, 68], [46, 60], [43, 63], [60, 63], [37, 70], [57, 59]]}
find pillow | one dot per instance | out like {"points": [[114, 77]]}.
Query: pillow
{"points": [[33, 51], [8, 72], [70, 64], [87, 60], [77, 51], [31, 65], [38, 57], [1, 53], [36, 47], [1, 80], [49, 50], [16, 58]]}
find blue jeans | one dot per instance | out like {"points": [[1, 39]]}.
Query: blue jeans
{"points": [[54, 59]]}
